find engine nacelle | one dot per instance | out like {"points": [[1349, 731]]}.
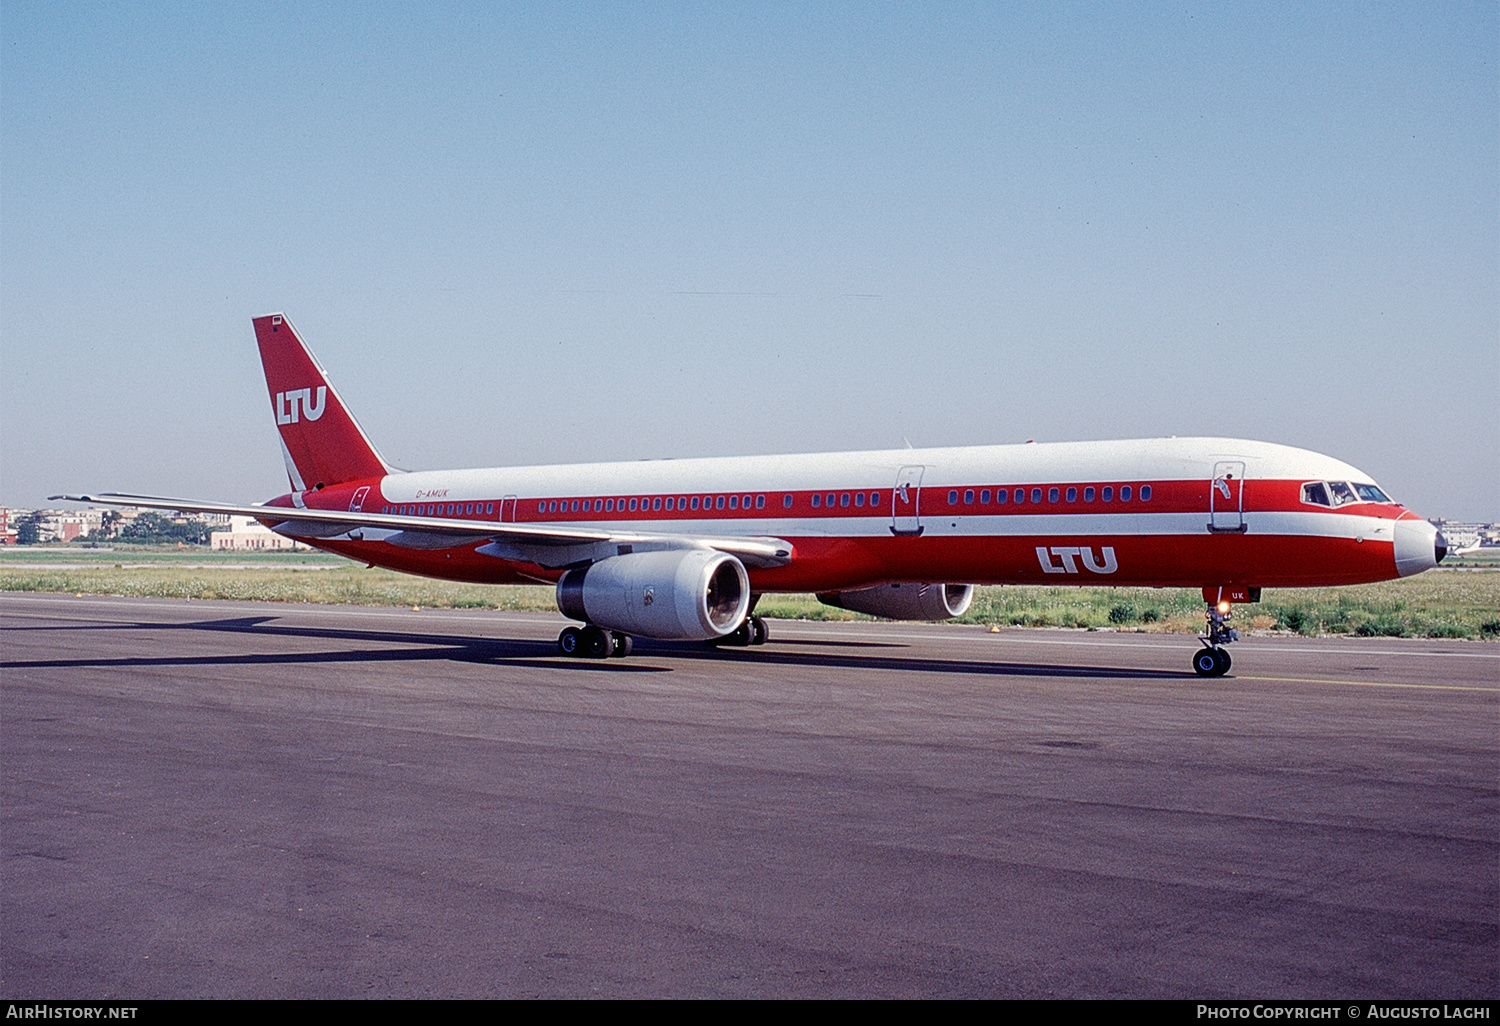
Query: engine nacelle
{"points": [[673, 595], [904, 601]]}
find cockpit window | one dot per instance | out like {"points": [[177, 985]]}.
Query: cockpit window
{"points": [[1342, 493], [1315, 493], [1370, 493]]}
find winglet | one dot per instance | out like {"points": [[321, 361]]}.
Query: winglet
{"points": [[321, 441]]}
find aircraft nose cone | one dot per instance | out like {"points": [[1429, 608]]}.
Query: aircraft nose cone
{"points": [[1419, 546]]}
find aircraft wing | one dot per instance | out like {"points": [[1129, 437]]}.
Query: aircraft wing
{"points": [[551, 546]]}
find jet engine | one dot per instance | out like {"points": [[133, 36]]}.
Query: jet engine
{"points": [[672, 595], [904, 601]]}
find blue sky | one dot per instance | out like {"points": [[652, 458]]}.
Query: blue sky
{"points": [[537, 233]]}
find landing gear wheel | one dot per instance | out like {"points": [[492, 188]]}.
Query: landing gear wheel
{"points": [[758, 631], [569, 641], [596, 642], [737, 638], [620, 644], [1211, 662]]}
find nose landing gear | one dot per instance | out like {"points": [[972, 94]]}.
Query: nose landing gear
{"points": [[1211, 660]]}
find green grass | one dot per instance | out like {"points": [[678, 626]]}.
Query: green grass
{"points": [[77, 555], [1438, 604]]}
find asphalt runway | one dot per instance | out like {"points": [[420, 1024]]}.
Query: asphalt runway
{"points": [[224, 799]]}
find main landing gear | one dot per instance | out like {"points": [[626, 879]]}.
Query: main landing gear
{"points": [[752, 632], [1211, 660], [593, 642]]}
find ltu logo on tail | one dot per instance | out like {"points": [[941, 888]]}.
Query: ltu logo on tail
{"points": [[287, 404], [1068, 553]]}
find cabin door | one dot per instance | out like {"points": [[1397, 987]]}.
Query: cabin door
{"points": [[508, 510], [906, 512], [1226, 497]]}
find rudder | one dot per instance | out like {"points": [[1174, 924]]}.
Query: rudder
{"points": [[320, 439]]}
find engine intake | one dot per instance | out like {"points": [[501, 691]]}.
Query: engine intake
{"points": [[673, 595], [904, 600]]}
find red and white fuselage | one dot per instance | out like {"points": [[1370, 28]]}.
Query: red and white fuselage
{"points": [[1179, 512]]}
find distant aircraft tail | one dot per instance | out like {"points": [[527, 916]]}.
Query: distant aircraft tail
{"points": [[320, 440]]}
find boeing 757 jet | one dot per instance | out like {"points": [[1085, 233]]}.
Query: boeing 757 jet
{"points": [[683, 549]]}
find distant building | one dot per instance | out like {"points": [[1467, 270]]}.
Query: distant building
{"points": [[246, 534], [1461, 535], [7, 529]]}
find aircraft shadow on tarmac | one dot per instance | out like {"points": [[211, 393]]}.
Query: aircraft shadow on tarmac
{"points": [[412, 646]]}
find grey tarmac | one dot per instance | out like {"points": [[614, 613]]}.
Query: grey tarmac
{"points": [[223, 799]]}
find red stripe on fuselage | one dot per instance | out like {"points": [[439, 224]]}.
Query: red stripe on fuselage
{"points": [[831, 563]]}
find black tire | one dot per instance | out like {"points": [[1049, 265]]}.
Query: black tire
{"points": [[1224, 662], [758, 632], [1206, 662], [569, 641], [622, 644], [596, 642]]}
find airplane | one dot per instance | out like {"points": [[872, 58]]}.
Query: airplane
{"points": [[683, 549]]}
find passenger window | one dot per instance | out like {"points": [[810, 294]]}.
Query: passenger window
{"points": [[1124, 493], [1315, 494], [874, 498], [632, 505], [1051, 494], [859, 498], [1107, 493], [1145, 493], [1036, 495], [1072, 494], [719, 502], [1000, 495], [734, 502], [817, 500], [489, 507], [953, 498], [760, 502], [968, 496], [669, 502], [656, 503], [844, 499], [786, 502], [695, 502], [1088, 495], [984, 497]]}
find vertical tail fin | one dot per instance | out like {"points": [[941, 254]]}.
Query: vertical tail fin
{"points": [[322, 443]]}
